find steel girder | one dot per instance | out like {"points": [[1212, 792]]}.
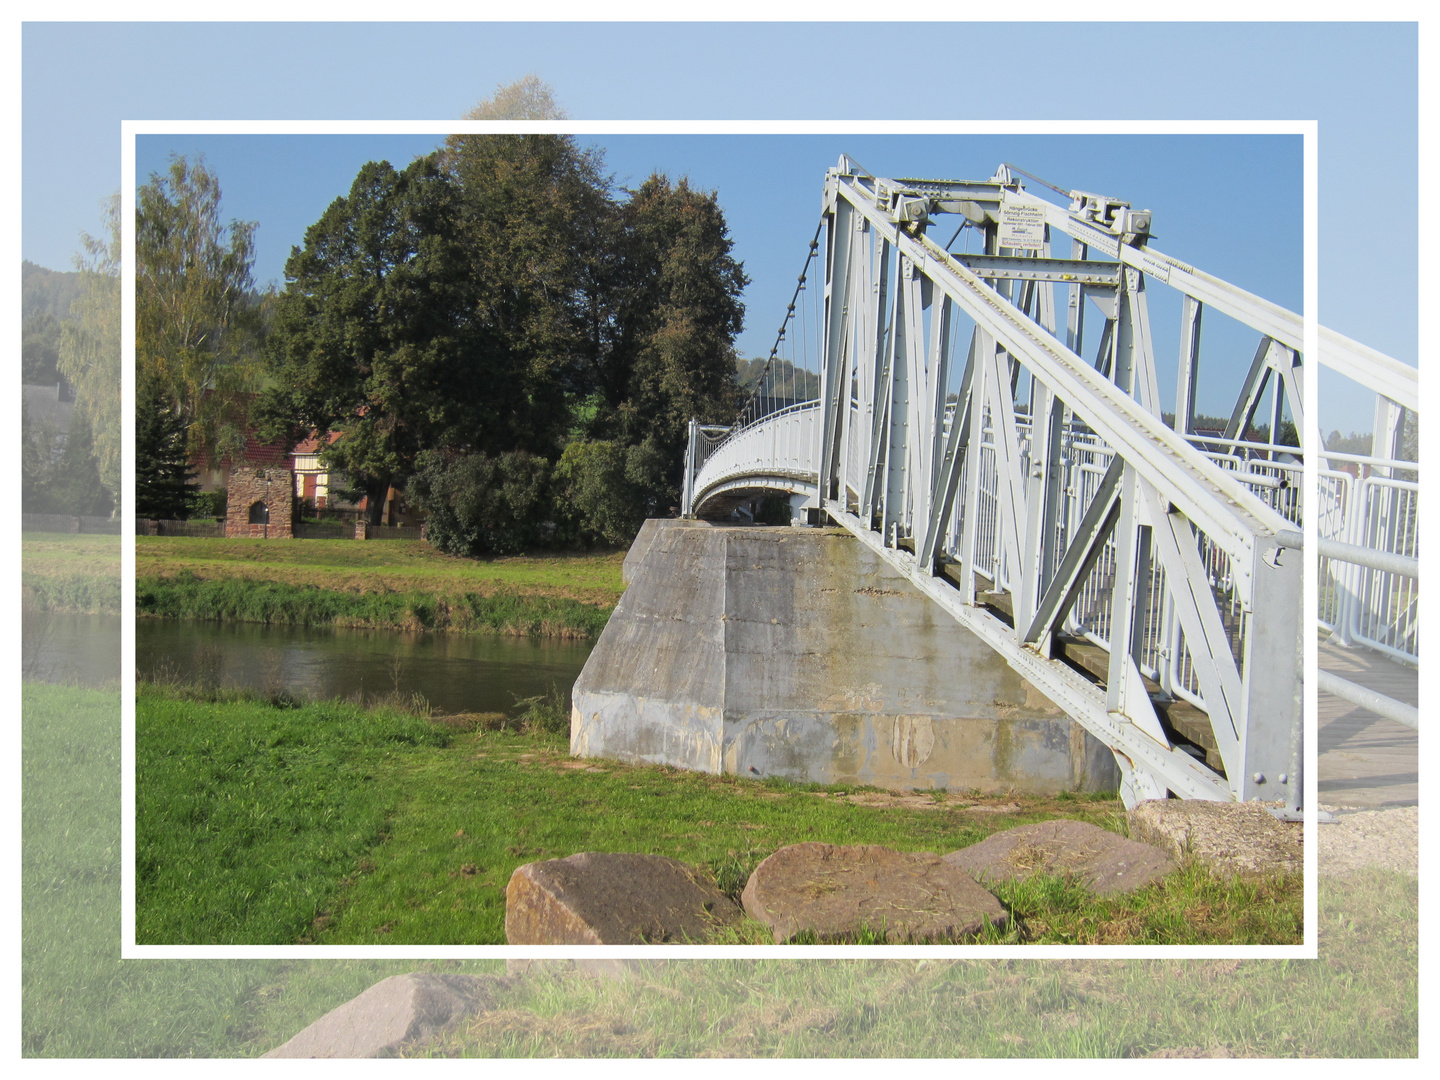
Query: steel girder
{"points": [[1167, 529]]}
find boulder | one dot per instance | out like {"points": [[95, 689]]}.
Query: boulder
{"points": [[403, 1010], [1231, 839], [837, 891], [1102, 861], [599, 898]]}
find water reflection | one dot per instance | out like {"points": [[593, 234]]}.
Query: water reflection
{"points": [[82, 649], [455, 672]]}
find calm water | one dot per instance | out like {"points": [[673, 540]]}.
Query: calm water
{"points": [[70, 648], [455, 672]]}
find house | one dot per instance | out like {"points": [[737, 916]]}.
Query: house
{"points": [[315, 486], [214, 475]]}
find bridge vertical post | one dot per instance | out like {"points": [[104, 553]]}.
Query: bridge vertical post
{"points": [[1189, 374], [834, 383], [687, 498], [1272, 663]]}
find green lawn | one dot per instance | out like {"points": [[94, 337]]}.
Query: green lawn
{"points": [[383, 566], [1359, 999], [64, 572], [333, 825]]}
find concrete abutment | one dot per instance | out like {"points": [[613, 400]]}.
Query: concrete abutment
{"points": [[797, 653]]}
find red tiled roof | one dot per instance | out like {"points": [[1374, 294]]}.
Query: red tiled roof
{"points": [[311, 444], [256, 452]]}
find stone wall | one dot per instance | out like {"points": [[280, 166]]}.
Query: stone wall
{"points": [[273, 488]]}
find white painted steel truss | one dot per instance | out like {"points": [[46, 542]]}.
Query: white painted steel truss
{"points": [[1039, 497]]}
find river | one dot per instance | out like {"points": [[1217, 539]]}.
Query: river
{"points": [[455, 672]]}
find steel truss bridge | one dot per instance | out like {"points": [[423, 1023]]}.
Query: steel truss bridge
{"points": [[1147, 578]]}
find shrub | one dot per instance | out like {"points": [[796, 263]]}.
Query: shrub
{"points": [[482, 505], [209, 504]]}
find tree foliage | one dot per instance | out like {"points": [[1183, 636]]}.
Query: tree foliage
{"points": [[89, 350], [682, 311], [524, 99], [478, 504], [537, 225], [499, 307], [67, 484], [195, 321], [165, 486], [376, 335]]}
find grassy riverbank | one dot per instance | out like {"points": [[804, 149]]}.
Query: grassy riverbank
{"points": [[70, 573], [79, 999], [391, 584], [329, 824]]}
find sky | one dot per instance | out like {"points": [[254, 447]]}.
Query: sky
{"points": [[770, 189], [1359, 81]]}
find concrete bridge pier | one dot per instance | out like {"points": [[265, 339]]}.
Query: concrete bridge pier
{"points": [[797, 653]]}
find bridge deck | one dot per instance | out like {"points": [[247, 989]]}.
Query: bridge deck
{"points": [[1366, 760]]}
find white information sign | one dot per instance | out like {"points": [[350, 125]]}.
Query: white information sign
{"points": [[1022, 226]]}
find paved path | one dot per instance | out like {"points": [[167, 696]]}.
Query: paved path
{"points": [[1365, 760]]}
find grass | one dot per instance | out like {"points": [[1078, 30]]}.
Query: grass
{"points": [[1359, 999], [329, 824], [77, 573], [383, 566], [391, 584], [505, 611]]}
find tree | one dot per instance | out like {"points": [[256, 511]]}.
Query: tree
{"points": [[524, 99], [376, 335], [39, 348], [677, 310], [69, 484], [538, 228], [476, 504], [195, 323], [89, 351], [165, 484]]}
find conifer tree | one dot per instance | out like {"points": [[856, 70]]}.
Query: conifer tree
{"points": [[165, 486]]}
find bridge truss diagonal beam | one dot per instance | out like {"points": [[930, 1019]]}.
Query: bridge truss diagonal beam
{"points": [[1039, 496]]}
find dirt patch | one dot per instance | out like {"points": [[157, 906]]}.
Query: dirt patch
{"points": [[1389, 839], [924, 800]]}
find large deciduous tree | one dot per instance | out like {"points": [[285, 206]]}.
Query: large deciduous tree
{"points": [[195, 318], [674, 301], [525, 99], [89, 349], [538, 225], [377, 336]]}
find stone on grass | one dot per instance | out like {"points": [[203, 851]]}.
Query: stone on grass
{"points": [[600, 898], [1102, 861], [403, 1010], [838, 891], [1231, 839]]}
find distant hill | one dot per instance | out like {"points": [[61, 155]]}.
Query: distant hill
{"points": [[45, 299], [47, 292]]}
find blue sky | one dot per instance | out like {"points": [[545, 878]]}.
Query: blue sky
{"points": [[770, 185], [1359, 81]]}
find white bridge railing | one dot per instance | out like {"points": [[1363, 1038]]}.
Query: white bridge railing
{"points": [[1040, 498]]}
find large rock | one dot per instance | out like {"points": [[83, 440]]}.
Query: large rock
{"points": [[1094, 857], [596, 898], [403, 1010], [1231, 839], [838, 891]]}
